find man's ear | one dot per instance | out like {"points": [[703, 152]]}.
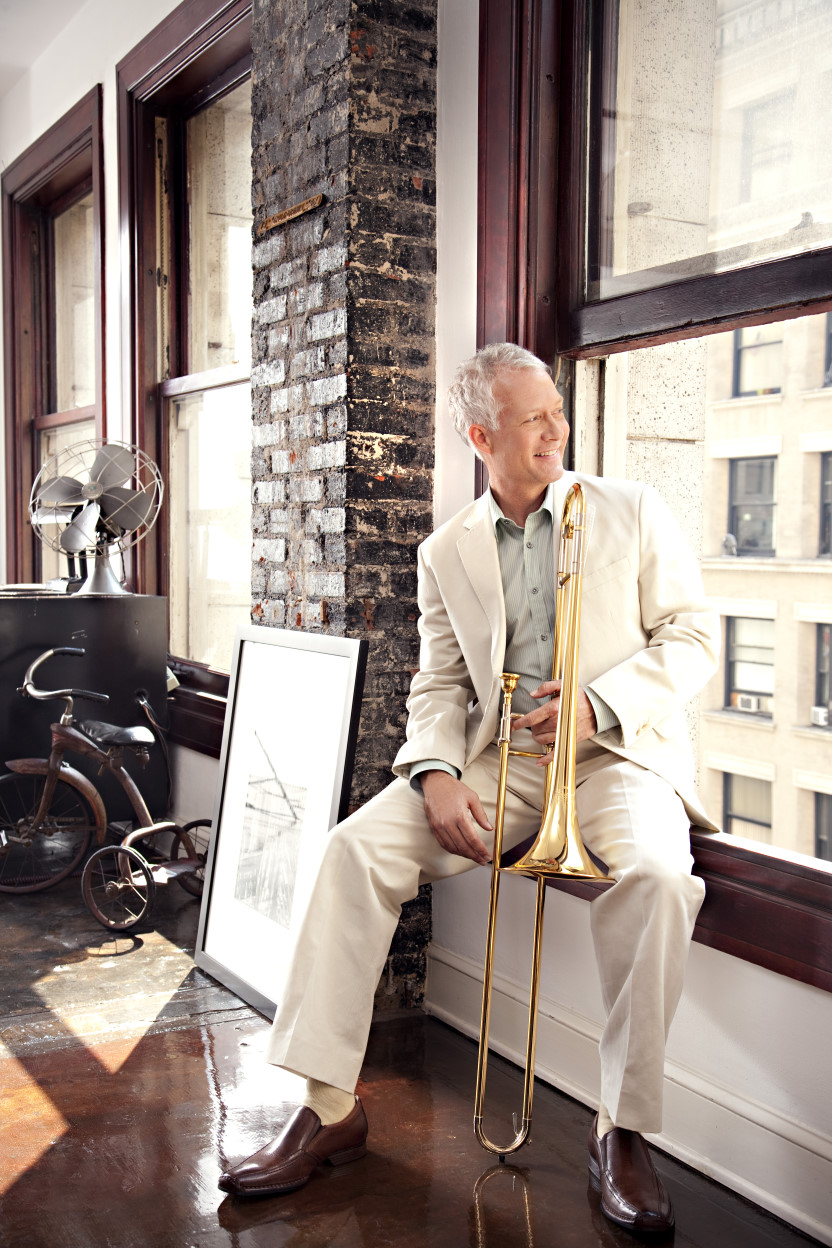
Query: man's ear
{"points": [[479, 438]]}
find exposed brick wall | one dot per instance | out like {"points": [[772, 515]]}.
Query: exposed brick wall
{"points": [[344, 104]]}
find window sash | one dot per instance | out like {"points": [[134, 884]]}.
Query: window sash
{"points": [[59, 168]]}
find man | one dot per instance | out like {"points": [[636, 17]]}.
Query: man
{"points": [[486, 598]]}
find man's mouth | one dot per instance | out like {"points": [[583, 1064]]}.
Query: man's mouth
{"points": [[546, 454]]}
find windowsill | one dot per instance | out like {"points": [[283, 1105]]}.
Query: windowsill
{"points": [[771, 563], [196, 709], [745, 400], [811, 731], [820, 392], [749, 720]]}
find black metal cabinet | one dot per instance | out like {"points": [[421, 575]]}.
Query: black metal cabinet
{"points": [[125, 638]]}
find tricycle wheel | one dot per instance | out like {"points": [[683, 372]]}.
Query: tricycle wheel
{"points": [[118, 887]]}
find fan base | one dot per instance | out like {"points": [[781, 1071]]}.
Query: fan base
{"points": [[102, 579]]}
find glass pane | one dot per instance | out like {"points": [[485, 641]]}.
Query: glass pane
{"points": [[219, 224], [670, 420], [74, 376], [209, 511], [716, 139], [50, 442], [750, 798], [753, 527], [759, 360]]}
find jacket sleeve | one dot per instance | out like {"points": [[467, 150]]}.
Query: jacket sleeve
{"points": [[649, 689], [441, 689]]}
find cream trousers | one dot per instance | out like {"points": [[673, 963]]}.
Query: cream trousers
{"points": [[376, 859]]}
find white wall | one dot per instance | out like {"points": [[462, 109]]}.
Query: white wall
{"points": [[748, 1094]]}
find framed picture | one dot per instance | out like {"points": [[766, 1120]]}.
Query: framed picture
{"points": [[284, 781]]}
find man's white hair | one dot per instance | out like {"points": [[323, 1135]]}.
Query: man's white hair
{"points": [[471, 396]]}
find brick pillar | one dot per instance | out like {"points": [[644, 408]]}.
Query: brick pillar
{"points": [[344, 105]]}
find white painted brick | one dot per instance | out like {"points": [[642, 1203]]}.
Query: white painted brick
{"points": [[327, 455], [305, 489], [269, 492], [271, 374], [270, 310], [264, 435], [327, 389], [270, 550], [283, 461], [267, 253], [327, 324], [328, 520], [327, 584], [279, 401], [329, 258]]}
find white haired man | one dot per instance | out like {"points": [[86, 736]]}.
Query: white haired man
{"points": [[648, 644]]}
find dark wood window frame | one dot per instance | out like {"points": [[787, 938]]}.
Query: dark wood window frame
{"points": [[64, 164], [533, 107], [199, 52]]}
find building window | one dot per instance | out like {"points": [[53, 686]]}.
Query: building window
{"points": [[826, 504], [53, 311], [822, 710], [751, 505], [184, 99], [823, 826], [757, 360], [747, 807], [750, 666], [766, 153]]}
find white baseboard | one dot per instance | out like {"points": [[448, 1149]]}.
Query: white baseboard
{"points": [[770, 1159]]}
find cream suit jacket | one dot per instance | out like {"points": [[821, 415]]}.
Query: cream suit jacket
{"points": [[648, 639]]}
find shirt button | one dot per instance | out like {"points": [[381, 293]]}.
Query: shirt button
{"points": [[529, 545], [543, 637], [534, 591]]}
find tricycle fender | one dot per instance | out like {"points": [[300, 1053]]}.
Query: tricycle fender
{"points": [[40, 766]]}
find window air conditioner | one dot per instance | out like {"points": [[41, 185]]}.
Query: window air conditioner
{"points": [[748, 702], [819, 716]]}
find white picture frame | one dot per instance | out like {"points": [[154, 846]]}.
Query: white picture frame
{"points": [[284, 777]]}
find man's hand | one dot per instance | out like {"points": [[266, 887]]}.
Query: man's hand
{"points": [[453, 812], [544, 720]]}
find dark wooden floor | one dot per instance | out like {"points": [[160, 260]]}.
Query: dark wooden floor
{"points": [[128, 1079]]}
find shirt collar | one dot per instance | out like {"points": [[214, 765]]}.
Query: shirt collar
{"points": [[550, 502]]}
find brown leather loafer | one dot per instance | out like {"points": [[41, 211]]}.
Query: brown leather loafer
{"points": [[632, 1194], [290, 1160]]}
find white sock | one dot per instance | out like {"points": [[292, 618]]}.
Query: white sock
{"points": [[329, 1103], [605, 1123]]}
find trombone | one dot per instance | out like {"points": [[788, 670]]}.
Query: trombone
{"points": [[558, 851]]}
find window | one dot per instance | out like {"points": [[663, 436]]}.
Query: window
{"points": [[757, 360], [823, 688], [747, 807], [823, 826], [767, 131], [826, 504], [751, 505], [686, 201], [53, 262], [750, 666], [555, 121], [185, 201]]}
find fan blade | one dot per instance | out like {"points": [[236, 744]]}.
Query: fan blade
{"points": [[127, 509], [80, 535], [113, 465], [61, 492]]}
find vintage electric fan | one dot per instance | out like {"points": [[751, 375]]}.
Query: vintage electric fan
{"points": [[92, 499]]}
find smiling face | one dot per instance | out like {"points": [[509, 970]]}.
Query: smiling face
{"points": [[525, 453]]}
